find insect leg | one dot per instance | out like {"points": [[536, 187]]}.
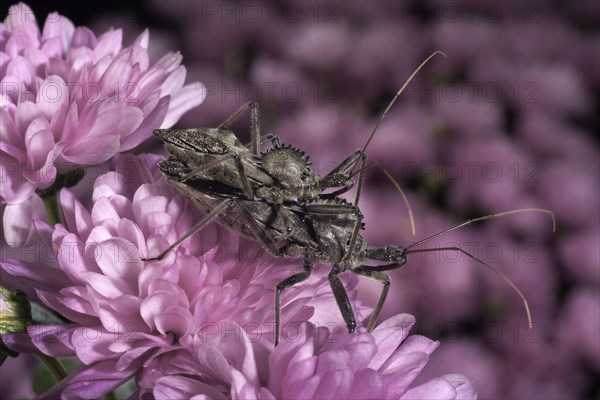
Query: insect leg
{"points": [[361, 178], [206, 167], [340, 176], [341, 298], [201, 224], [380, 277], [244, 178], [259, 231], [331, 209], [352, 242], [281, 286], [389, 253], [254, 127]]}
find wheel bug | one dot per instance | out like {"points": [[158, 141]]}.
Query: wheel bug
{"points": [[322, 230], [255, 195], [281, 174]]}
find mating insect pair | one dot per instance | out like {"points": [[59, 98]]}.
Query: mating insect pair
{"points": [[277, 198]]}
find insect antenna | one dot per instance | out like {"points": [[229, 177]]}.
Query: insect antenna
{"points": [[454, 248], [486, 217], [233, 117], [387, 174], [506, 278], [398, 188], [410, 78]]}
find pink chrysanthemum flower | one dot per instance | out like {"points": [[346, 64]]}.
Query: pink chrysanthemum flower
{"points": [[131, 318], [69, 98], [199, 322], [314, 364]]}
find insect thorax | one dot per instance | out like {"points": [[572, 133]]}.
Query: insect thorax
{"points": [[291, 168]]}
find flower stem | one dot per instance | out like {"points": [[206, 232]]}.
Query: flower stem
{"points": [[53, 212], [110, 396], [53, 365], [51, 195]]}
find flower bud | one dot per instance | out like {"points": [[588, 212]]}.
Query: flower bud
{"points": [[15, 316], [15, 311]]}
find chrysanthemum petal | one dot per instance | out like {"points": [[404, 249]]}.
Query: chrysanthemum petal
{"points": [[32, 275], [209, 355], [58, 26], [241, 388], [437, 388], [20, 15], [463, 386], [368, 384], [18, 219], [179, 387], [83, 37], [69, 306], [13, 191], [184, 100], [52, 49], [21, 70], [52, 340], [388, 335], [153, 119], [334, 384], [97, 149], [109, 44], [405, 370], [54, 96], [106, 287], [8, 129], [175, 320], [90, 382], [77, 218]]}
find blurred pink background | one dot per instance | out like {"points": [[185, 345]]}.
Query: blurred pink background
{"points": [[509, 120]]}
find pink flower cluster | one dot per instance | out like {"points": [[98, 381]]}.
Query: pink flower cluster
{"points": [[69, 98], [199, 322], [380, 365]]}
